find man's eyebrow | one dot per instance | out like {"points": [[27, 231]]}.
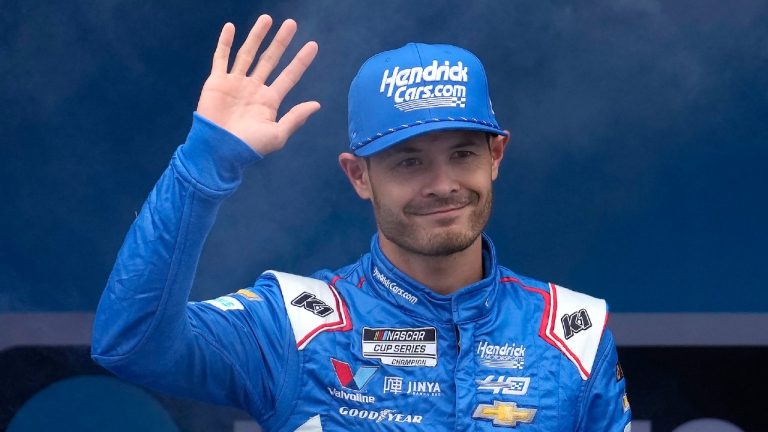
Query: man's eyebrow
{"points": [[467, 143]]}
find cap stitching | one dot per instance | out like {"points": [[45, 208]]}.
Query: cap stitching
{"points": [[356, 146]]}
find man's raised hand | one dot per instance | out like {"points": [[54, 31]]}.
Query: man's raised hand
{"points": [[244, 104]]}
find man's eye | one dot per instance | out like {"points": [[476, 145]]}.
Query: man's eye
{"points": [[410, 162], [461, 154]]}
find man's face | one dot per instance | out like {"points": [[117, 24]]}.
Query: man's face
{"points": [[432, 194]]}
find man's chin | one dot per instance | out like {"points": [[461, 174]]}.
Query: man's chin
{"points": [[444, 243], [446, 222]]}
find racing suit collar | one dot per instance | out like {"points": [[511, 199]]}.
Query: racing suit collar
{"points": [[470, 303]]}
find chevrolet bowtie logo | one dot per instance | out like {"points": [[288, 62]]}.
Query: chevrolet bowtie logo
{"points": [[505, 414]]}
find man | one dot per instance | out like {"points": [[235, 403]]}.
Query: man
{"points": [[426, 332]]}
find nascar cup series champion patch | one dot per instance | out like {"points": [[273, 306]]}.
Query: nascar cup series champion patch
{"points": [[416, 89]]}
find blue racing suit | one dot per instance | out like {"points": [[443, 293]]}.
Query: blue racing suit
{"points": [[364, 347]]}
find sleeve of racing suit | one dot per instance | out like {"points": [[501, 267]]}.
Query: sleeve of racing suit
{"points": [[146, 332], [604, 406]]}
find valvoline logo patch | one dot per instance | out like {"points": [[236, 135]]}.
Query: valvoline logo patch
{"points": [[356, 380]]}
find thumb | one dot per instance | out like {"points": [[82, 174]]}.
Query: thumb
{"points": [[291, 121]]}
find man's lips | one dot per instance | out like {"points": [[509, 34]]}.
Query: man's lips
{"points": [[438, 210]]}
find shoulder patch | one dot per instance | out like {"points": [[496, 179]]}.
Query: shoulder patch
{"points": [[574, 323], [313, 307], [225, 303], [250, 295]]}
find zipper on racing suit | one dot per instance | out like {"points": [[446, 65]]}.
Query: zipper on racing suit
{"points": [[458, 338]]}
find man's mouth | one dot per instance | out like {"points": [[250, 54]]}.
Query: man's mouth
{"points": [[439, 210]]}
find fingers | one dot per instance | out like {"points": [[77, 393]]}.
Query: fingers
{"points": [[251, 45], [272, 54], [294, 71], [221, 55], [296, 117]]}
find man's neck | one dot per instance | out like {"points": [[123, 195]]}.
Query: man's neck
{"points": [[441, 274]]}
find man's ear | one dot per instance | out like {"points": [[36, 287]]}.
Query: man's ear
{"points": [[356, 171], [497, 145]]}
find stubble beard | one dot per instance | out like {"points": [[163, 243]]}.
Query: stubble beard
{"points": [[416, 239]]}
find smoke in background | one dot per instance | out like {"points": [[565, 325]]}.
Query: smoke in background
{"points": [[635, 170]]}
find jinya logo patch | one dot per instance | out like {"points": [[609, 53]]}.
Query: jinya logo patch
{"points": [[401, 346], [396, 385], [426, 87]]}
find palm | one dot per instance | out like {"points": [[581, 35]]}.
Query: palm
{"points": [[244, 105]]}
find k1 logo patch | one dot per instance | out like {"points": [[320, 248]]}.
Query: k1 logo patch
{"points": [[575, 322], [313, 304]]}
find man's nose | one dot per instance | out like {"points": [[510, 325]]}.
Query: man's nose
{"points": [[441, 182]]}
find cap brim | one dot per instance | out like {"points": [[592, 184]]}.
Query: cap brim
{"points": [[394, 138]]}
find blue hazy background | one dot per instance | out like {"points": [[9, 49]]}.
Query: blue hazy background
{"points": [[636, 170]]}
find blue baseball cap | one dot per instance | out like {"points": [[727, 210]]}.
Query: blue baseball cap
{"points": [[416, 89]]}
